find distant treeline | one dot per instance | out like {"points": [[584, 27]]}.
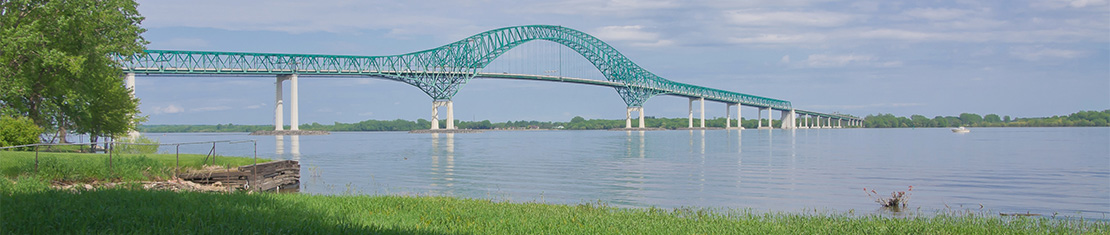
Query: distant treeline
{"points": [[1085, 118], [576, 123]]}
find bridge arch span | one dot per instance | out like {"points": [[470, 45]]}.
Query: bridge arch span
{"points": [[476, 52]]}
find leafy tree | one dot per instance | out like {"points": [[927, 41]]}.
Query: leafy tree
{"points": [[138, 145], [56, 63], [954, 121], [921, 121], [970, 119], [992, 118], [940, 121], [1006, 119], [18, 131]]}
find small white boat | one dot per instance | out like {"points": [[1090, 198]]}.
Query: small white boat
{"points": [[960, 130]]}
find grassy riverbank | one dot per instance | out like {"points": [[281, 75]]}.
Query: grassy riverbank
{"points": [[29, 205], [86, 167]]}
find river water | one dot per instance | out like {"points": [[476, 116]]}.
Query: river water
{"points": [[1008, 170]]}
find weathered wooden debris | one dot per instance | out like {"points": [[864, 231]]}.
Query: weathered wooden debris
{"points": [[262, 177]]}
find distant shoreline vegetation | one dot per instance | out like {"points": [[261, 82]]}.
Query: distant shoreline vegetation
{"points": [[1079, 119], [1083, 118]]}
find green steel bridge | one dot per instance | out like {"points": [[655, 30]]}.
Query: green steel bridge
{"points": [[441, 72]]}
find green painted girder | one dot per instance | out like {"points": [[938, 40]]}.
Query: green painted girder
{"points": [[440, 72]]}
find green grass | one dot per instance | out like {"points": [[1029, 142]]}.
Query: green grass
{"points": [[29, 207], [86, 167]]}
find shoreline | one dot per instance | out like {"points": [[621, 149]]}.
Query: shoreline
{"points": [[675, 129]]}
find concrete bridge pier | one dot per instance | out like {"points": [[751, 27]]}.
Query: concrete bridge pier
{"points": [[129, 82], [759, 119], [628, 116], [770, 121], [805, 121], [701, 101], [728, 118], [294, 108], [279, 112], [690, 117], [787, 119], [690, 123], [450, 114]]}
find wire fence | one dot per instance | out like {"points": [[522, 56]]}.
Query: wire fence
{"points": [[111, 145]]}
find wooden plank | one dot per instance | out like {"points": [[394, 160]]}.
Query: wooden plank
{"points": [[265, 176]]}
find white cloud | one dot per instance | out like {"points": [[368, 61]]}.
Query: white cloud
{"points": [[173, 108], [820, 60], [785, 59], [634, 34], [658, 43], [624, 33], [305, 16], [1068, 3], [778, 19], [972, 24], [593, 7], [256, 106], [1039, 53], [903, 35], [937, 13], [778, 38], [890, 64], [210, 108], [830, 61]]}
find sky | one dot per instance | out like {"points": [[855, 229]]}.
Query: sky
{"points": [[1030, 58]]}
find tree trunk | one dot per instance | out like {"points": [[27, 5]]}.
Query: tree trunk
{"points": [[92, 143], [62, 134]]}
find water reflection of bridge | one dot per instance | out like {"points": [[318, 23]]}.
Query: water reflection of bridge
{"points": [[446, 171], [294, 146]]}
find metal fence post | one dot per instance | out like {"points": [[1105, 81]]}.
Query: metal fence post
{"points": [[177, 155], [36, 159], [110, 147], [254, 172], [213, 153]]}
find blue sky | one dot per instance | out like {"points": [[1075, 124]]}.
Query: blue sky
{"points": [[1018, 58]]}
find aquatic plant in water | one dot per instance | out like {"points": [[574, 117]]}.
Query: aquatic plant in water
{"points": [[896, 201]]}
